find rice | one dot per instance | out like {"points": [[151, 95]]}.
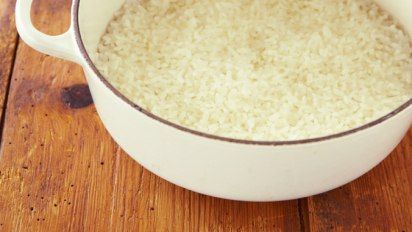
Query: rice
{"points": [[259, 70]]}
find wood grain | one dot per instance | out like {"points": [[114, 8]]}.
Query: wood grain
{"points": [[8, 43], [61, 170], [381, 200]]}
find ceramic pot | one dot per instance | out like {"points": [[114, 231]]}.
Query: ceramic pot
{"points": [[216, 166]]}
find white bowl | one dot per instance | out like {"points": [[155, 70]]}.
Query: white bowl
{"points": [[216, 166]]}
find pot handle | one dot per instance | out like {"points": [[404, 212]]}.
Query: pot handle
{"points": [[61, 46]]}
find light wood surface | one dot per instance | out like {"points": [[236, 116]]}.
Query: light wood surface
{"points": [[61, 171], [381, 200], [8, 42]]}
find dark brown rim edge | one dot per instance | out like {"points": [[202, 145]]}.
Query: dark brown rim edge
{"points": [[205, 135]]}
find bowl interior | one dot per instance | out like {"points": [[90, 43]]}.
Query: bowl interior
{"points": [[94, 16]]}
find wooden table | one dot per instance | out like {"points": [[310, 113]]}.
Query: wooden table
{"points": [[59, 168]]}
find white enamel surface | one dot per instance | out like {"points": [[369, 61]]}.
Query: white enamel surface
{"points": [[224, 169], [62, 46], [245, 172], [94, 15], [401, 10]]}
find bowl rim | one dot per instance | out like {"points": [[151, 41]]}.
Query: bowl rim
{"points": [[89, 62]]}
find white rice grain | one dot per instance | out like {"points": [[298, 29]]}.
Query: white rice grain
{"points": [[259, 70]]}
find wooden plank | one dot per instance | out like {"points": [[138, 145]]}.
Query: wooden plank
{"points": [[8, 43], [61, 170], [381, 200]]}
